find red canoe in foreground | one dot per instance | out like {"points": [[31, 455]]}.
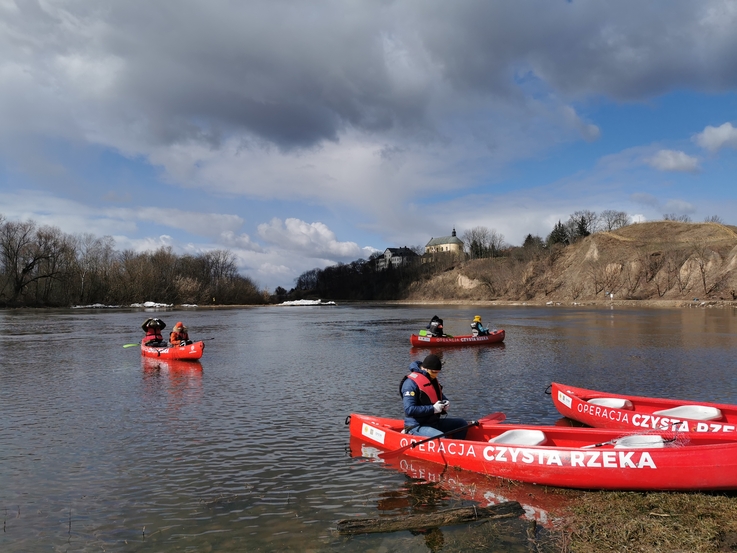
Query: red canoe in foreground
{"points": [[491, 338], [605, 410], [567, 457], [188, 352]]}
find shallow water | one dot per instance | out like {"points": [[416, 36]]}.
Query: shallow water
{"points": [[248, 451]]}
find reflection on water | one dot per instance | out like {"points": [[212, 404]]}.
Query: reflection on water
{"points": [[544, 505], [245, 450]]}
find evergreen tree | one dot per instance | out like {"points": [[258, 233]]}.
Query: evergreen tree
{"points": [[558, 235]]}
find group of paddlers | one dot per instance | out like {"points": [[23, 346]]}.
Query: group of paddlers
{"points": [[153, 327], [435, 327]]}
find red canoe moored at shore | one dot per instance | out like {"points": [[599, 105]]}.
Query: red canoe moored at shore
{"points": [[607, 410], [190, 351], [492, 338], [567, 457]]}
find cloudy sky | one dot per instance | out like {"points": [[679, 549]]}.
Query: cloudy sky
{"points": [[302, 134]]}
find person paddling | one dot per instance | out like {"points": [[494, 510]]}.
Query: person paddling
{"points": [[435, 327], [477, 328], [179, 335], [424, 401], [153, 328]]}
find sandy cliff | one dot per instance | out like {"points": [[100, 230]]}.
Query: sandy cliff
{"points": [[665, 262]]}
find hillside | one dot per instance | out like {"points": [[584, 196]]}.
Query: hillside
{"points": [[664, 260]]}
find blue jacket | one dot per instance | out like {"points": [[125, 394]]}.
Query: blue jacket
{"points": [[418, 409], [480, 328]]}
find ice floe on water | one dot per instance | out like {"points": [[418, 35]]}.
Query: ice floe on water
{"points": [[152, 304], [146, 304], [307, 302]]}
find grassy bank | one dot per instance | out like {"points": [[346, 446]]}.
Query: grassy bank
{"points": [[649, 522]]}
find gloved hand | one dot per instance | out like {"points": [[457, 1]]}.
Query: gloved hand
{"points": [[438, 406], [183, 343], [446, 406]]}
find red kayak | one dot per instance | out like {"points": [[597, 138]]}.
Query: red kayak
{"points": [[567, 457], [188, 352], [492, 338], [606, 410]]}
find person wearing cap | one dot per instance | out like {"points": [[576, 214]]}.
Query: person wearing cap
{"points": [[179, 335], [477, 327], [153, 328], [424, 402]]}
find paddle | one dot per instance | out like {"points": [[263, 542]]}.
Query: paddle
{"points": [[494, 417]]}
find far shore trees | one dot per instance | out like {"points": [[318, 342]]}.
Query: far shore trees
{"points": [[40, 266]]}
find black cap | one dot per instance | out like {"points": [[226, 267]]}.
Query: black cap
{"points": [[432, 362]]}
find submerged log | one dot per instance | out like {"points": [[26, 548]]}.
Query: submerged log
{"points": [[509, 509]]}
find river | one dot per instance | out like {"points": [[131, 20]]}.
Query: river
{"points": [[248, 450]]}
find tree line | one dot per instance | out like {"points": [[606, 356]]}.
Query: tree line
{"points": [[503, 270], [41, 266]]}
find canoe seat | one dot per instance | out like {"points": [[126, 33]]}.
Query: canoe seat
{"points": [[640, 440], [612, 402], [694, 412], [520, 437]]}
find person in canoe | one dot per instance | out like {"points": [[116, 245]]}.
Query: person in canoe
{"points": [[179, 335], [435, 327], [477, 329], [153, 328], [425, 403]]}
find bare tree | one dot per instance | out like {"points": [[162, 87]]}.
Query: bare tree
{"points": [[633, 274], [496, 242], [95, 257], [703, 254], [612, 220], [714, 219], [22, 249], [604, 276], [481, 242], [581, 224], [675, 217]]}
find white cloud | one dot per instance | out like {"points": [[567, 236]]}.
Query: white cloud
{"points": [[589, 131], [715, 138], [645, 199], [310, 240], [672, 160], [679, 206]]}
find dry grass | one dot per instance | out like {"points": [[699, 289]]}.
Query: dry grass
{"points": [[664, 260], [651, 522]]}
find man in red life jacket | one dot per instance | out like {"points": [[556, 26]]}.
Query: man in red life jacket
{"points": [[153, 328], [424, 401]]}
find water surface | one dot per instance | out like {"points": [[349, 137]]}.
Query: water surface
{"points": [[247, 450]]}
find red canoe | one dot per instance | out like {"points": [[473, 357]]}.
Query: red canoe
{"points": [[491, 338], [188, 352], [605, 410], [567, 457]]}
